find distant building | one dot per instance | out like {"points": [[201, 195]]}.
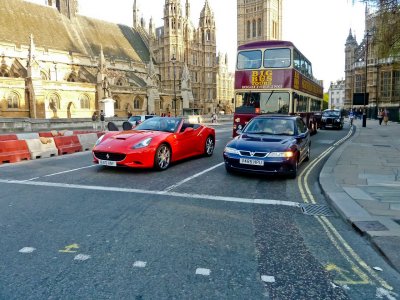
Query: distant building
{"points": [[336, 93], [225, 85], [382, 74], [259, 20]]}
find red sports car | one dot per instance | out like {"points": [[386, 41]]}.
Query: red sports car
{"points": [[155, 143]]}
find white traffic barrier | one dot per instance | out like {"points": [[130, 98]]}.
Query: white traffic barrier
{"points": [[87, 140], [28, 135], [42, 147]]}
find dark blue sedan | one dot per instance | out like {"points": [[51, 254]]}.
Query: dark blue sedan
{"points": [[269, 144]]}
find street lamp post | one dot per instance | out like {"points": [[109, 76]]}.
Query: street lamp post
{"points": [[173, 60], [364, 121]]}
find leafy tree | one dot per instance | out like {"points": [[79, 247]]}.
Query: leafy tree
{"points": [[386, 31]]}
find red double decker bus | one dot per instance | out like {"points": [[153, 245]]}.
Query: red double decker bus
{"points": [[274, 77]]}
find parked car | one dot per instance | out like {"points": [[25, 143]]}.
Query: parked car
{"points": [[269, 145], [332, 118], [155, 143], [136, 120]]}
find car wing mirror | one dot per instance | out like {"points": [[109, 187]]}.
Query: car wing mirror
{"points": [[239, 131]]}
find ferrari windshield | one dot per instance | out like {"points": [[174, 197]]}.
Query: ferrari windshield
{"points": [[274, 126], [160, 124]]}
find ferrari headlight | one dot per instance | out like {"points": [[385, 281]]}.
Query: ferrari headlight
{"points": [[286, 154], [99, 140], [142, 144], [231, 150]]}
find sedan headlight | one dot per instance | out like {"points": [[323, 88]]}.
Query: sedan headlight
{"points": [[99, 140], [231, 150], [286, 154], [142, 144]]}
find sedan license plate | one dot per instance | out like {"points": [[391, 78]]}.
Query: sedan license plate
{"points": [[107, 163], [254, 162]]}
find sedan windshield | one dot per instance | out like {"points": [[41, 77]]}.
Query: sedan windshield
{"points": [[331, 113], [274, 126], [160, 124]]}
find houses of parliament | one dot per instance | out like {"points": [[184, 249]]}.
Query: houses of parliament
{"points": [[56, 63]]}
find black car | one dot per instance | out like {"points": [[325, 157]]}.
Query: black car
{"points": [[269, 144], [332, 118]]}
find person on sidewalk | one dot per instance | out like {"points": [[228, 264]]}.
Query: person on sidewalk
{"points": [[385, 116], [380, 116], [102, 120], [351, 117], [95, 118]]}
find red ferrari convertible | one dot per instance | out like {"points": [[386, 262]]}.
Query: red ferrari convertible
{"points": [[155, 143]]}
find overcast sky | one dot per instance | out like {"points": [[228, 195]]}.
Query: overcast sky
{"points": [[319, 28]]}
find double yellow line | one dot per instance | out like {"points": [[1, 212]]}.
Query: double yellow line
{"points": [[358, 266]]}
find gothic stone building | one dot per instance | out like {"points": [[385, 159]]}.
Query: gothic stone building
{"points": [[56, 63], [380, 77], [259, 20]]}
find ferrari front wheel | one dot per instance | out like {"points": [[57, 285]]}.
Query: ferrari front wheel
{"points": [[209, 146], [162, 158]]}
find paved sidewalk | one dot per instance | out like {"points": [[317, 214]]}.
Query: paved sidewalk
{"points": [[366, 186]]}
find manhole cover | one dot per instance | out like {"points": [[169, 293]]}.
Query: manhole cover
{"points": [[316, 210], [364, 226]]}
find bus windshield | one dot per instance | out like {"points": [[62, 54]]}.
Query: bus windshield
{"points": [[263, 102]]}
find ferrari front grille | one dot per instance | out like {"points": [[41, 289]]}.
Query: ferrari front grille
{"points": [[109, 156]]}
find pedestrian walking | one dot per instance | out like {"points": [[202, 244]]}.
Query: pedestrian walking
{"points": [[380, 116], [351, 117], [386, 116], [95, 118], [103, 120]]}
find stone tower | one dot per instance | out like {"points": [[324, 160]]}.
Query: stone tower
{"points": [[259, 20], [68, 8], [350, 57]]}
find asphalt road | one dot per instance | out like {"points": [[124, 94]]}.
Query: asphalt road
{"points": [[73, 230]]}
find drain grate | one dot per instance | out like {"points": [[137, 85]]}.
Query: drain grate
{"points": [[316, 210]]}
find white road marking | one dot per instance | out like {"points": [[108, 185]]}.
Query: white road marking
{"points": [[269, 279], [202, 271], [139, 264], [82, 257], [147, 192], [381, 293], [191, 177], [68, 171], [27, 250]]}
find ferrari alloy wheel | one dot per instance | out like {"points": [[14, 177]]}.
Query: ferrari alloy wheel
{"points": [[209, 146], [162, 158]]}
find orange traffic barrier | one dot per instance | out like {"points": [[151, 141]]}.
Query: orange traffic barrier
{"points": [[67, 144], [14, 151], [8, 137]]}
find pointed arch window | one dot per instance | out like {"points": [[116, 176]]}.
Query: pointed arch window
{"points": [[84, 101], [13, 100], [248, 29], [120, 82], [161, 104], [254, 29], [4, 73], [136, 103], [54, 100], [117, 102], [72, 78], [259, 27], [43, 75]]}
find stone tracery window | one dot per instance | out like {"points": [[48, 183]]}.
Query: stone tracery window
{"points": [[13, 100], [84, 101], [136, 103], [4, 73]]}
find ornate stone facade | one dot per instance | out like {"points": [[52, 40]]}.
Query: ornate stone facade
{"points": [[382, 74], [67, 74], [259, 20]]}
